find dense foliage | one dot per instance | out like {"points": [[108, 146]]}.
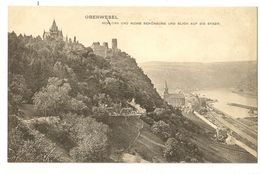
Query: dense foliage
{"points": [[91, 138], [27, 145], [66, 82], [169, 124], [37, 60], [142, 88], [18, 92]]}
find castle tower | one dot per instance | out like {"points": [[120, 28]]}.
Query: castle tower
{"points": [[100, 50], [61, 34], [105, 44], [114, 44], [166, 91]]}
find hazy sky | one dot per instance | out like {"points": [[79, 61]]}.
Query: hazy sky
{"points": [[234, 39]]}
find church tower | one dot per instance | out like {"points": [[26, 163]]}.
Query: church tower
{"points": [[54, 27], [166, 91], [54, 32]]}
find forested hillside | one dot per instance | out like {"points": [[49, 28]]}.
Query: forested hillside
{"points": [[60, 97]]}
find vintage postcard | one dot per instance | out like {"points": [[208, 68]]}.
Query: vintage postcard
{"points": [[132, 84]]}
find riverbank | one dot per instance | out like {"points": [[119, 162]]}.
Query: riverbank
{"points": [[252, 94], [241, 131], [215, 151], [251, 122], [225, 96]]}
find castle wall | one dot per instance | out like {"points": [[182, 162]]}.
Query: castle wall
{"points": [[104, 50], [99, 50]]}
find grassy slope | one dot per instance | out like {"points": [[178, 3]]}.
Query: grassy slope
{"points": [[146, 147], [124, 132]]}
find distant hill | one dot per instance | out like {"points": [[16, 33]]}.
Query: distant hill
{"points": [[238, 75]]}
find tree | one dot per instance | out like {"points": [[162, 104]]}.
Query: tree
{"points": [[113, 87], [102, 99], [27, 145], [91, 138], [161, 128], [63, 71], [78, 106], [53, 98], [16, 62], [173, 152], [18, 92]]}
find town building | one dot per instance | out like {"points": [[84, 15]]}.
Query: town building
{"points": [[174, 99]]}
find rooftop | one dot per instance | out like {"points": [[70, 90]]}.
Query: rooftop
{"points": [[176, 95]]}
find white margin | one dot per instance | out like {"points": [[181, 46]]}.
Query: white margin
{"points": [[33, 168]]}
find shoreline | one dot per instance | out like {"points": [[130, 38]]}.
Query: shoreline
{"points": [[246, 94], [235, 139], [222, 98], [230, 153]]}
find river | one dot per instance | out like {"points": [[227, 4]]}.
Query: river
{"points": [[225, 96]]}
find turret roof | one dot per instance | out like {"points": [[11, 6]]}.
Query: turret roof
{"points": [[54, 26]]}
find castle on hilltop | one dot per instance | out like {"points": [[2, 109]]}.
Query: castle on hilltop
{"points": [[54, 32], [104, 50]]}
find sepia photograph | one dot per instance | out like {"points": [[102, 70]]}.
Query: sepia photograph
{"points": [[132, 84]]}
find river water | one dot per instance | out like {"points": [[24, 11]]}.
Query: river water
{"points": [[225, 96]]}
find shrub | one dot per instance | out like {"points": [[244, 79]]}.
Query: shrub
{"points": [[173, 152], [162, 129], [78, 106], [26, 145], [147, 119], [18, 92], [53, 98], [90, 136], [100, 110]]}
